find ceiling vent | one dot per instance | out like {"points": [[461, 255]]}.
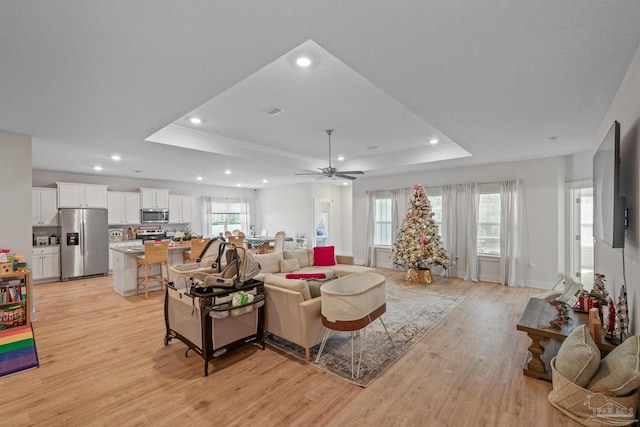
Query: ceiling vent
{"points": [[272, 111]]}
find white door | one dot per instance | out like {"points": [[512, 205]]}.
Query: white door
{"points": [[322, 222], [581, 248]]}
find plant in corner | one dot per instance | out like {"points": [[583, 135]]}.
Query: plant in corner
{"points": [[418, 246]]}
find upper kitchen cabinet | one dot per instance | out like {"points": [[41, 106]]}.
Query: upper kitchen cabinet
{"points": [[124, 208], [153, 198], [82, 195], [44, 206], [180, 209]]}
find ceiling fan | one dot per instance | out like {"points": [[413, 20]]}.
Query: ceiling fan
{"points": [[331, 172]]}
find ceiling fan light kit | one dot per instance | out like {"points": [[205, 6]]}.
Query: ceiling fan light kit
{"points": [[331, 172]]}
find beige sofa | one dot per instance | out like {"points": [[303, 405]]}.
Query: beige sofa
{"points": [[292, 309]]}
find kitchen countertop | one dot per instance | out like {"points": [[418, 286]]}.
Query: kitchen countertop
{"points": [[139, 250]]}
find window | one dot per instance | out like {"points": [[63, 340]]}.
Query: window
{"points": [[489, 224], [383, 235], [225, 217], [436, 208]]}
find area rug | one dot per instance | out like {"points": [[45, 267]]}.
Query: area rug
{"points": [[17, 350], [411, 314]]}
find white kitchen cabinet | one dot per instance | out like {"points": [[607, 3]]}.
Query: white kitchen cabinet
{"points": [[81, 195], [153, 198], [180, 209], [44, 206], [123, 244], [124, 208], [45, 263]]}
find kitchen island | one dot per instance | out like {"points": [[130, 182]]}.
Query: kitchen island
{"points": [[124, 267]]}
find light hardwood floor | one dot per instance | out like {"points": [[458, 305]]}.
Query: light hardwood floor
{"points": [[103, 362]]}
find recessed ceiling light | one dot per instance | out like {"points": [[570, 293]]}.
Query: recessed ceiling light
{"points": [[345, 183], [115, 157], [199, 178], [264, 181], [303, 61], [434, 141], [238, 185], [97, 168], [195, 120], [340, 158], [228, 172]]}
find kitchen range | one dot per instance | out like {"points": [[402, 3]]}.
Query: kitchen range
{"points": [[150, 232]]}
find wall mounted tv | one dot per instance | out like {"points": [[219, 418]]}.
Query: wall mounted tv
{"points": [[608, 205]]}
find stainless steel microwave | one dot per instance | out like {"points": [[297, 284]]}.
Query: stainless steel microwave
{"points": [[154, 216]]}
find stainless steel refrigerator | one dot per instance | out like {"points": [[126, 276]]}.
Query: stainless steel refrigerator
{"points": [[84, 242]]}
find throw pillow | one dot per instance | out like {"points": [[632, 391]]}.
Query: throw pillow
{"points": [[579, 357], [301, 255], [323, 256], [619, 371], [269, 263], [288, 265]]}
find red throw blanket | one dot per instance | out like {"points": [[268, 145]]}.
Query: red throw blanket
{"points": [[306, 276]]}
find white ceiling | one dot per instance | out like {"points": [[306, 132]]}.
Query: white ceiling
{"points": [[493, 80]]}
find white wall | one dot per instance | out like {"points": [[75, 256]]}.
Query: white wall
{"points": [[15, 191], [543, 185], [290, 208], [625, 108]]}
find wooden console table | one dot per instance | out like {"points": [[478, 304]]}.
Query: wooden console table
{"points": [[535, 317]]}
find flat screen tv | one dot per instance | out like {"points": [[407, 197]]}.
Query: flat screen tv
{"points": [[608, 204]]}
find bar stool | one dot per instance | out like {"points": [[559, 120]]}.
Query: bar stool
{"points": [[154, 253], [197, 246]]}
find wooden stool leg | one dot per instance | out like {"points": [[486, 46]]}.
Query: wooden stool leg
{"points": [[146, 281], [138, 278]]}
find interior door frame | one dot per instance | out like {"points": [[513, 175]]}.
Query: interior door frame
{"points": [[574, 262]]}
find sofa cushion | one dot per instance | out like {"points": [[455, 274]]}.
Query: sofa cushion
{"points": [[579, 357], [324, 256], [619, 371], [269, 263], [290, 284], [289, 265], [302, 255], [346, 269]]}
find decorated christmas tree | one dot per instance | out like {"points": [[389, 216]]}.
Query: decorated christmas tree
{"points": [[418, 244]]}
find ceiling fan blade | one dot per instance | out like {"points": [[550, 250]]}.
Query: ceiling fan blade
{"points": [[353, 172], [310, 173], [342, 175]]}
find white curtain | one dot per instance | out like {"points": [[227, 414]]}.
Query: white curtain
{"points": [[449, 226], [511, 233], [399, 204], [206, 217], [470, 212], [245, 223], [370, 259]]}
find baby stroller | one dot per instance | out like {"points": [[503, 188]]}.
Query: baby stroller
{"points": [[207, 262], [238, 267], [220, 306]]}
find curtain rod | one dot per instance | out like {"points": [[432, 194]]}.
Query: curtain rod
{"points": [[440, 186]]}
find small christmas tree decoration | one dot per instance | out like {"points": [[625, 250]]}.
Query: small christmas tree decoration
{"points": [[611, 321], [622, 316], [599, 291], [418, 244]]}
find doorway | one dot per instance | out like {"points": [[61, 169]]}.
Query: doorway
{"points": [[321, 221], [581, 247]]}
